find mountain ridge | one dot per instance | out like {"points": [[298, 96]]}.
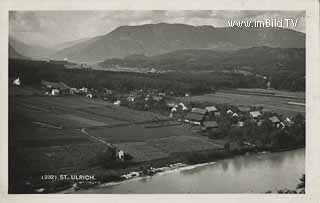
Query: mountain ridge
{"points": [[155, 39]]}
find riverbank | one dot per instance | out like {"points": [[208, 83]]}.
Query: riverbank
{"points": [[181, 162]]}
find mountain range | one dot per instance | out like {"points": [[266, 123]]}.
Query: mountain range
{"points": [[156, 39]]}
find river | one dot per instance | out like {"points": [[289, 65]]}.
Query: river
{"points": [[255, 173]]}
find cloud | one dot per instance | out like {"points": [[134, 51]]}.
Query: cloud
{"points": [[52, 27]]}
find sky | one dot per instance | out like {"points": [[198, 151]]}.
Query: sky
{"points": [[49, 28]]}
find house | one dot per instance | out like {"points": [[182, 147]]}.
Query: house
{"points": [[199, 111], [55, 92], [210, 124], [288, 122], [121, 154], [184, 108], [89, 95], [170, 104], [255, 114], [235, 115], [211, 109], [83, 90], [117, 102], [194, 118], [62, 87], [130, 99], [74, 90], [17, 82], [275, 120], [229, 111]]}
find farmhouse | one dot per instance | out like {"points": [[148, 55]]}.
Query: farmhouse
{"points": [[120, 154], [60, 86], [275, 120], [211, 109], [229, 111], [194, 118], [199, 111], [255, 114]]}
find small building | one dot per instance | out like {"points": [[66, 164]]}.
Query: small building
{"points": [[229, 111], [211, 109], [117, 102], [275, 120], [194, 118], [89, 96], [121, 154], [74, 90], [55, 92], [255, 114], [62, 87], [235, 115], [130, 99], [170, 104], [17, 82], [210, 124], [184, 108], [199, 111]]}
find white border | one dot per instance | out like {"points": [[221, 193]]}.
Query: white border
{"points": [[312, 86]]}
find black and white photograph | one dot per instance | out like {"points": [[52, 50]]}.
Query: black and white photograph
{"points": [[157, 101]]}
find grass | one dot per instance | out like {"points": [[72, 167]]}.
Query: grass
{"points": [[276, 104]]}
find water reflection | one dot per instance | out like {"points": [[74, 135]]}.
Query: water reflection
{"points": [[256, 173]]}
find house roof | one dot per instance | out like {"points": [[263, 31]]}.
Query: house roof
{"points": [[211, 108], [210, 124], [58, 85], [274, 119], [255, 114], [194, 117], [199, 111]]}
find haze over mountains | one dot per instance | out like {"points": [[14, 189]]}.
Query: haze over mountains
{"points": [[155, 39]]}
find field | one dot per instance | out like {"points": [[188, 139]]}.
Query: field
{"points": [[277, 102], [67, 133]]}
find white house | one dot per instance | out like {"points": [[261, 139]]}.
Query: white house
{"points": [[121, 154], [117, 103], [17, 82], [229, 111]]}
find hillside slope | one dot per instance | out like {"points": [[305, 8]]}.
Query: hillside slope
{"points": [[154, 39]]}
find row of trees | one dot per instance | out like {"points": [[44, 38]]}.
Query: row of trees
{"points": [[32, 72]]}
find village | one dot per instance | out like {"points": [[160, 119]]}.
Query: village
{"points": [[213, 120]]}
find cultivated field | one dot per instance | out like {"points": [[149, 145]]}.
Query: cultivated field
{"points": [[67, 133], [279, 105]]}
